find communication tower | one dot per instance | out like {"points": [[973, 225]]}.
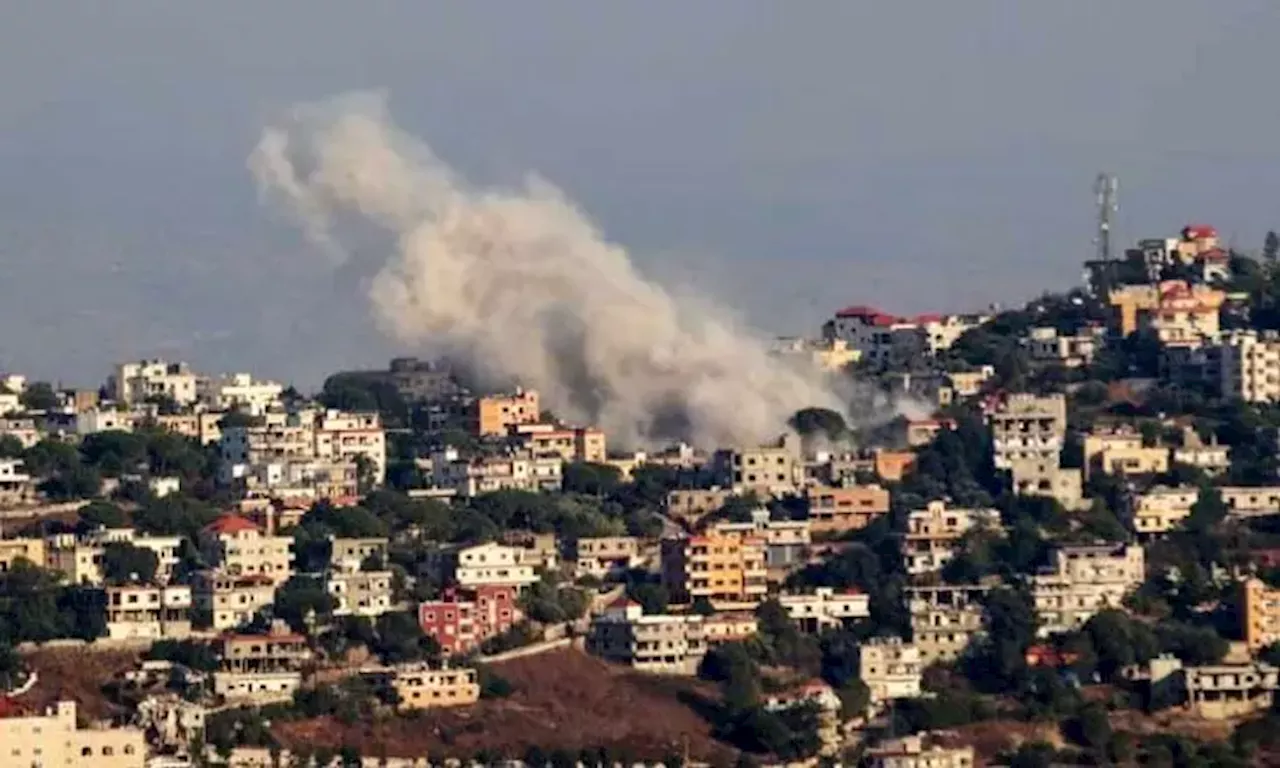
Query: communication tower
{"points": [[1107, 189]]}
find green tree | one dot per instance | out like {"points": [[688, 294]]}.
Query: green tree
{"points": [[114, 452], [400, 639], [39, 396], [123, 563], [101, 514], [1091, 727], [10, 447], [591, 479], [301, 599], [1270, 248]]}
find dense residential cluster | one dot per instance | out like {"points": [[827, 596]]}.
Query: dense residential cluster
{"points": [[1075, 536]]}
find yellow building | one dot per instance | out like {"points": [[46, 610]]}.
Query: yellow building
{"points": [[1161, 509], [52, 739], [495, 415], [1137, 306], [570, 443], [1122, 453], [420, 687], [840, 510], [238, 547], [690, 504], [12, 550], [767, 469], [1261, 614], [728, 569]]}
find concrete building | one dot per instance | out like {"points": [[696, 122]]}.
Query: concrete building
{"points": [[945, 619], [728, 570], [148, 612], [1223, 691], [236, 546], [10, 402], [492, 565], [604, 556], [494, 416], [16, 486], [663, 644], [922, 750], [891, 669], [933, 533], [825, 608], [786, 542], [1025, 427], [23, 429], [766, 470], [1044, 478], [1046, 345], [328, 436], [461, 620], [691, 504], [1250, 367], [239, 391], [347, 554], [97, 420], [165, 548], [1084, 580], [260, 668], [1251, 501], [79, 562], [1185, 315], [836, 511], [55, 739], [885, 340], [569, 443], [359, 593], [1145, 306], [1261, 614], [418, 686], [1121, 452], [514, 470], [171, 721], [226, 601], [29, 549], [729, 627], [349, 436], [136, 383], [1161, 509]]}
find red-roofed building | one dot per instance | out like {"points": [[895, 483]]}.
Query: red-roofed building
{"points": [[884, 339], [230, 524], [463, 619], [237, 546]]}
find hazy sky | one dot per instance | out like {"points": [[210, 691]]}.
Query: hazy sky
{"points": [[789, 158]]}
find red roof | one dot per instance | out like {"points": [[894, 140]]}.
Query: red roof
{"points": [[11, 708], [1215, 254], [869, 315], [928, 318], [230, 524], [1198, 231]]}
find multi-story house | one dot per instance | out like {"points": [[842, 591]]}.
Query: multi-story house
{"points": [[16, 486], [79, 562], [1223, 691], [1250, 367], [885, 340], [945, 619], [569, 443], [148, 612], [1047, 345], [830, 355], [56, 739], [691, 504], [492, 565], [726, 569], [1162, 509], [418, 686], [664, 644], [136, 383], [786, 542], [1084, 580], [354, 437], [604, 556], [165, 548], [1171, 306], [359, 593], [494, 416], [241, 392], [840, 510], [891, 669], [29, 549], [922, 750], [463, 619], [1261, 613], [1251, 501], [729, 627], [825, 608], [347, 554], [513, 470], [1121, 452], [765, 470], [21, 428], [934, 533], [226, 601], [260, 668], [1028, 427], [237, 546]]}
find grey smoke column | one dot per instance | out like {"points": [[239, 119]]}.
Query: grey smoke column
{"points": [[519, 285]]}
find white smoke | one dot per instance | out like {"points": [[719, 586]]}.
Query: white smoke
{"points": [[520, 286]]}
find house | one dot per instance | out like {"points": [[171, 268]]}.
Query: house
{"points": [[147, 380], [728, 627], [569, 443], [604, 556], [1249, 501], [727, 569], [419, 686], [348, 554], [1260, 614], [226, 601], [359, 593], [825, 608], [921, 750], [767, 470], [1028, 427], [492, 565], [462, 619], [1121, 452], [260, 668], [512, 470], [148, 612], [55, 738], [934, 533], [1223, 691], [239, 391], [663, 643], [891, 669], [29, 549], [16, 486], [1162, 509], [691, 504], [237, 546], [837, 511], [945, 619], [165, 548], [1047, 345], [1084, 580], [495, 415], [786, 542]]}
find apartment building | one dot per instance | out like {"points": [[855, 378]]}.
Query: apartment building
{"points": [[1223, 691], [16, 486], [237, 546], [662, 644], [514, 470], [28, 549], [836, 511], [1121, 453], [1161, 509], [492, 565], [884, 340], [1047, 345], [494, 416], [462, 619], [891, 669], [148, 612], [604, 556], [540, 551], [328, 436], [1028, 427], [203, 426], [786, 542], [691, 504], [825, 608], [1249, 366], [569, 443], [165, 548], [1261, 613], [348, 436], [79, 562], [934, 533], [1211, 458], [1084, 580], [945, 619], [1045, 478], [766, 470], [419, 686], [347, 554], [136, 383], [54, 738], [359, 593], [921, 750], [729, 569], [239, 391], [260, 668], [1251, 501], [226, 601]]}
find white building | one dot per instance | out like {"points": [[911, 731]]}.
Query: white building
{"points": [[1046, 345], [1083, 581], [241, 392], [516, 470], [235, 545], [824, 608], [135, 383], [165, 548], [227, 601], [97, 420], [148, 612], [921, 750], [1250, 367], [359, 593], [16, 485], [492, 565], [891, 669], [883, 339]]}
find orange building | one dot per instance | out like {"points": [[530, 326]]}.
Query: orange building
{"points": [[495, 415], [892, 465], [1171, 304], [838, 510], [728, 569], [1261, 614]]}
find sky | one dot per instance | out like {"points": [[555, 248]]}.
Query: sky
{"points": [[786, 159]]}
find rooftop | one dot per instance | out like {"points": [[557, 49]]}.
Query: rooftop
{"points": [[230, 523]]}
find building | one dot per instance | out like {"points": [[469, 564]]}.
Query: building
{"points": [[418, 686], [55, 739], [16, 486], [836, 511], [1028, 427], [934, 533], [1046, 345], [225, 601], [569, 443], [1261, 614], [165, 548], [891, 669], [79, 562], [766, 470], [23, 429], [148, 612], [828, 355], [1248, 501], [1250, 367], [260, 668], [171, 721], [824, 608], [1084, 580], [149, 380], [1045, 478], [691, 504], [728, 627], [1211, 458], [1145, 306], [348, 554], [663, 644], [461, 620], [604, 556], [494, 416], [236, 546], [922, 750], [1121, 452], [304, 437], [492, 565], [354, 437], [1185, 315], [359, 593], [726, 569], [239, 391], [786, 542], [1162, 509], [96, 420], [945, 619], [28, 549], [1223, 691], [513, 470], [885, 340]]}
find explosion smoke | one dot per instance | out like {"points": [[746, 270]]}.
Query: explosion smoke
{"points": [[518, 285]]}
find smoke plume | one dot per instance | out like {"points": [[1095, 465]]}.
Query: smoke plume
{"points": [[518, 285]]}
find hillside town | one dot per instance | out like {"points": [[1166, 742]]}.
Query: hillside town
{"points": [[1058, 544]]}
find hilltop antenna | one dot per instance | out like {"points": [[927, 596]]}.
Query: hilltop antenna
{"points": [[1107, 189]]}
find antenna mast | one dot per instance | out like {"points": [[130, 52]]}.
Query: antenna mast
{"points": [[1107, 189]]}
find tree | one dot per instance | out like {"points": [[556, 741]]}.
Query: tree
{"points": [[823, 422], [114, 452], [1010, 627], [10, 447], [1271, 248], [400, 639], [591, 479], [1208, 510], [302, 599], [123, 563], [39, 396], [101, 514]]}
